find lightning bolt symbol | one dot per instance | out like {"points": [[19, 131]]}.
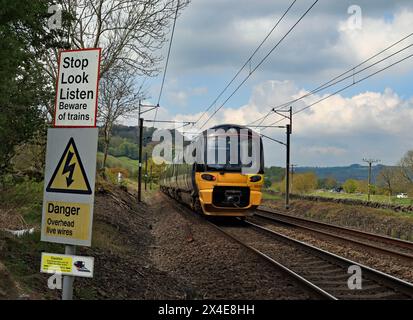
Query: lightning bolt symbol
{"points": [[69, 168]]}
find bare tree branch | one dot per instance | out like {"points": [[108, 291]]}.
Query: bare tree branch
{"points": [[130, 33], [119, 97]]}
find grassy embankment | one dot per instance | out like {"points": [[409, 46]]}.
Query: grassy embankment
{"points": [[119, 162], [373, 197], [271, 196], [383, 221], [21, 208]]}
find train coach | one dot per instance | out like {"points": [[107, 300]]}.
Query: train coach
{"points": [[226, 177]]}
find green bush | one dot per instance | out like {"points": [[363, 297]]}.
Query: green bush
{"points": [[25, 198], [350, 186], [20, 193]]}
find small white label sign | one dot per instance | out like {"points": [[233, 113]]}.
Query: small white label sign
{"points": [[77, 88], [69, 265]]}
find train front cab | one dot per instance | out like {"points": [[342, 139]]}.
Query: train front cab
{"points": [[224, 189], [229, 194]]}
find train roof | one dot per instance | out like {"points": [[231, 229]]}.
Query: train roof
{"points": [[229, 125]]}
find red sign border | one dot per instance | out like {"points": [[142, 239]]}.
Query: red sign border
{"points": [[57, 87]]}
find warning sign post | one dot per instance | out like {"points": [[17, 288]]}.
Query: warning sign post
{"points": [[69, 186], [68, 198], [77, 88]]}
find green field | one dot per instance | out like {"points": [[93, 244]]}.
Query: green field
{"points": [[373, 198], [121, 162], [269, 196]]}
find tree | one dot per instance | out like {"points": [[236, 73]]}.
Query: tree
{"points": [[362, 186], [275, 173], [118, 97], [301, 183], [387, 179], [24, 87], [406, 167], [350, 186], [327, 183], [267, 183], [304, 182], [130, 33]]}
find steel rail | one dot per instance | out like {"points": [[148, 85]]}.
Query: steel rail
{"points": [[304, 223], [301, 280], [393, 284]]}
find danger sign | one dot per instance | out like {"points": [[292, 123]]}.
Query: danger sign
{"points": [[69, 175], [69, 186], [77, 88], [67, 220]]}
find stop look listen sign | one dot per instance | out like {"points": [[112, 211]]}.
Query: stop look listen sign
{"points": [[77, 88]]}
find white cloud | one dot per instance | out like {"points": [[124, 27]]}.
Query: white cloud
{"points": [[324, 150], [320, 44], [178, 98], [337, 130], [375, 35], [337, 115]]}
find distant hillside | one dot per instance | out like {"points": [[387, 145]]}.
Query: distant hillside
{"points": [[125, 138], [341, 174]]}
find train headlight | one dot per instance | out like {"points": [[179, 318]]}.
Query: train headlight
{"points": [[255, 178], [208, 177]]}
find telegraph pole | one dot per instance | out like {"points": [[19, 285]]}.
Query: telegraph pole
{"points": [[150, 108], [287, 157], [370, 162], [150, 183], [141, 120], [140, 160], [287, 145], [292, 176], [146, 169], [287, 169]]}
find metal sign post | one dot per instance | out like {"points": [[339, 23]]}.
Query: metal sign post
{"points": [[68, 199], [67, 293]]}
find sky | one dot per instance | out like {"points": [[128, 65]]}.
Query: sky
{"points": [[371, 119]]}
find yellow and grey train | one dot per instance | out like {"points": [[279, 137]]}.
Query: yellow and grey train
{"points": [[220, 187]]}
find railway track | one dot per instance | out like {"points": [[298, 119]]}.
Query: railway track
{"points": [[323, 271], [315, 291], [325, 274], [391, 246]]}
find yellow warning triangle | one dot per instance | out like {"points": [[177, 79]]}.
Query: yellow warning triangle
{"points": [[69, 175]]}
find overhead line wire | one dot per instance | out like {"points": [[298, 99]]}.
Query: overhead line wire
{"points": [[166, 63], [261, 62], [247, 61], [329, 83], [346, 87]]}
